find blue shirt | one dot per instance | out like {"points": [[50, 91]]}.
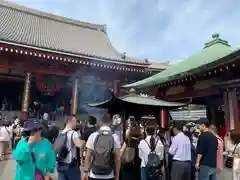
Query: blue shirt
{"points": [[180, 148]]}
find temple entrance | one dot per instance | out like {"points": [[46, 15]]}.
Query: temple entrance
{"points": [[11, 95], [43, 97], [52, 101], [92, 89]]}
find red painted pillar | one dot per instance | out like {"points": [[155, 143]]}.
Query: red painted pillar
{"points": [[26, 95], [235, 110], [74, 98], [164, 118], [231, 110]]}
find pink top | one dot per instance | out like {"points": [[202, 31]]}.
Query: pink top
{"points": [[220, 154]]}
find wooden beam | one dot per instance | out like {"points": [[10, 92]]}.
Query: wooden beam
{"points": [[193, 94], [35, 70], [11, 78]]}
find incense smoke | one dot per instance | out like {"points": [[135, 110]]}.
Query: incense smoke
{"points": [[92, 88]]}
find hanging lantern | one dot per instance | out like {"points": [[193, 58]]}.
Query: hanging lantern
{"points": [[49, 84]]}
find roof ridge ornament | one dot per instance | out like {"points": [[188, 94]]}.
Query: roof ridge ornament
{"points": [[216, 39], [144, 95], [132, 91], [124, 55], [215, 35]]}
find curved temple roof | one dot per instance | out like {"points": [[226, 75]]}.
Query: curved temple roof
{"points": [[215, 52], [138, 100], [35, 28]]}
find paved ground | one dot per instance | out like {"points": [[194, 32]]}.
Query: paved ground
{"points": [[227, 174], [7, 171]]}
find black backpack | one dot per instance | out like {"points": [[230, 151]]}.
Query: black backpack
{"points": [[103, 152], [154, 164], [60, 146]]}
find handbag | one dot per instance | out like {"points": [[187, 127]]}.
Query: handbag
{"points": [[128, 155], [230, 158]]}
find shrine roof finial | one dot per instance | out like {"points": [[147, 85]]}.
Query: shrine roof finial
{"points": [[215, 35], [216, 40]]}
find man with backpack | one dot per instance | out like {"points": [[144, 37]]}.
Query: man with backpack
{"points": [[88, 130], [65, 147], [102, 159]]}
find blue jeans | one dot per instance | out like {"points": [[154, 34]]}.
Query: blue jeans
{"points": [[143, 174], [207, 173], [68, 171]]}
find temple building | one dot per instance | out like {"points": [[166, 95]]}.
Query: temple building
{"points": [[53, 59], [209, 77]]}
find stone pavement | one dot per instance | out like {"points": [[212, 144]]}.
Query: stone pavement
{"points": [[7, 171], [227, 174]]}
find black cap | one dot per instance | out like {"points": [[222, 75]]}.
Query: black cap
{"points": [[202, 121], [32, 124]]}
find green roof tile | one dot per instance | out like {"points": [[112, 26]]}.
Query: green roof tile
{"points": [[134, 98], [135, 103], [138, 100], [213, 51]]}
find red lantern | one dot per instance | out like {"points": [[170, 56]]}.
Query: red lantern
{"points": [[41, 79]]}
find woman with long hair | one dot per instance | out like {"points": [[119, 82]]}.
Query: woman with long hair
{"points": [[34, 154], [162, 135], [232, 146], [193, 155], [129, 154], [151, 144]]}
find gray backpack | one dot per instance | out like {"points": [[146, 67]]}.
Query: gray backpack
{"points": [[60, 146], [103, 153]]}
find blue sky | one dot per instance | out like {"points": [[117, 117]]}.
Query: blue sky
{"points": [[162, 30]]}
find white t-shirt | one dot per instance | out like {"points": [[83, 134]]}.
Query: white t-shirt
{"points": [[6, 133], [71, 136], [144, 150], [90, 145]]}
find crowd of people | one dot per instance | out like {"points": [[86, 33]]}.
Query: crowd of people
{"points": [[95, 151]]}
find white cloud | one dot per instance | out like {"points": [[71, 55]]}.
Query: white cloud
{"points": [[158, 29]]}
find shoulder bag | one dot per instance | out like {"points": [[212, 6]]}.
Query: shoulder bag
{"points": [[38, 174], [128, 154], [230, 158]]}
